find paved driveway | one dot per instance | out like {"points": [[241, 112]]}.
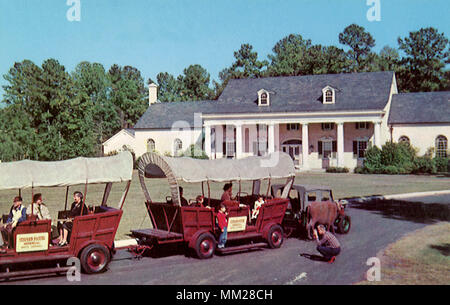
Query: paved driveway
{"points": [[374, 226]]}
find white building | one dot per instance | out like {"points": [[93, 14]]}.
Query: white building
{"points": [[320, 120]]}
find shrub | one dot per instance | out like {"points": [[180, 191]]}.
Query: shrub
{"points": [[392, 159], [391, 170], [337, 170], [424, 165], [195, 152], [372, 163], [441, 164]]}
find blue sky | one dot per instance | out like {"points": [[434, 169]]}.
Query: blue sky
{"points": [[169, 35]]}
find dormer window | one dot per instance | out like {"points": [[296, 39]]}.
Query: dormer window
{"points": [[328, 94], [263, 98]]}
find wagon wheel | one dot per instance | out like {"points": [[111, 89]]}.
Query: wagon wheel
{"points": [[344, 224], [275, 236], [94, 258], [205, 245]]}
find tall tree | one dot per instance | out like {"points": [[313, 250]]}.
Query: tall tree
{"points": [[361, 44], [49, 106], [93, 85], [289, 56], [425, 54], [388, 59], [246, 65], [128, 93], [195, 83], [169, 88]]}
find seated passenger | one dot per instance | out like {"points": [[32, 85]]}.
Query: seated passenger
{"points": [[184, 202], [199, 202], [17, 214], [258, 204], [227, 192], [76, 209], [39, 208]]}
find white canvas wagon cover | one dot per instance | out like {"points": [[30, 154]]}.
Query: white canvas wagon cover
{"points": [[275, 165], [28, 173]]}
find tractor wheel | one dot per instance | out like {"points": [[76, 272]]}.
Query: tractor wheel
{"points": [[94, 258], [344, 224], [275, 236], [205, 245]]}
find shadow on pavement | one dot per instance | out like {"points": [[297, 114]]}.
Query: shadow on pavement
{"points": [[443, 248], [406, 210], [313, 257]]}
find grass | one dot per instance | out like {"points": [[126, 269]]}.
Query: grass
{"points": [[420, 258], [135, 215]]}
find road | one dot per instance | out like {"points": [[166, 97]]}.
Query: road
{"points": [[374, 226]]}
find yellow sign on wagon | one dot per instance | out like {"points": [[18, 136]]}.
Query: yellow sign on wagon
{"points": [[32, 242], [236, 224]]}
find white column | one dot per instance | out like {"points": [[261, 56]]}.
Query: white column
{"points": [[271, 138], [238, 141], [208, 140], [377, 134], [340, 144], [305, 146]]}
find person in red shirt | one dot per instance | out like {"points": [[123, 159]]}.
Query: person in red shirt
{"points": [[223, 224]]}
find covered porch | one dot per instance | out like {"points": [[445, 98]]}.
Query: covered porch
{"points": [[312, 143]]}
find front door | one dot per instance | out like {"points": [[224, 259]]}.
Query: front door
{"points": [[293, 149], [327, 147]]}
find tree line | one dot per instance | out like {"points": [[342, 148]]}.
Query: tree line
{"points": [[49, 113], [419, 62]]}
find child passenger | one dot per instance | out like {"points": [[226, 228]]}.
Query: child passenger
{"points": [[223, 224], [258, 204]]}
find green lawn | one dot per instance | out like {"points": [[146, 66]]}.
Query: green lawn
{"points": [[135, 215], [419, 258]]}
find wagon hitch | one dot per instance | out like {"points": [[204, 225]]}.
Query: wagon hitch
{"points": [[139, 250]]}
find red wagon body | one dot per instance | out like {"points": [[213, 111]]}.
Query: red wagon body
{"points": [[196, 227], [33, 252]]}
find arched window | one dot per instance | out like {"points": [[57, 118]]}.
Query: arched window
{"points": [[441, 146], [263, 98], [329, 96], [150, 145], [177, 147], [404, 139]]}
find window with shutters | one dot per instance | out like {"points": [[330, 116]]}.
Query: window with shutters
{"points": [[293, 126], [359, 148], [327, 126], [362, 125], [327, 148]]}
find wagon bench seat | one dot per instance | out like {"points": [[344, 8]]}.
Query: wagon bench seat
{"points": [[156, 233]]}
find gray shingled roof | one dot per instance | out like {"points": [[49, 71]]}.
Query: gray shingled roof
{"points": [[420, 107], [354, 91], [164, 115]]}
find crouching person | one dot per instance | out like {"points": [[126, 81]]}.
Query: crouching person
{"points": [[327, 245]]}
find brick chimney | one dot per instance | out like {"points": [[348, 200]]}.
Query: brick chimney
{"points": [[152, 93]]}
